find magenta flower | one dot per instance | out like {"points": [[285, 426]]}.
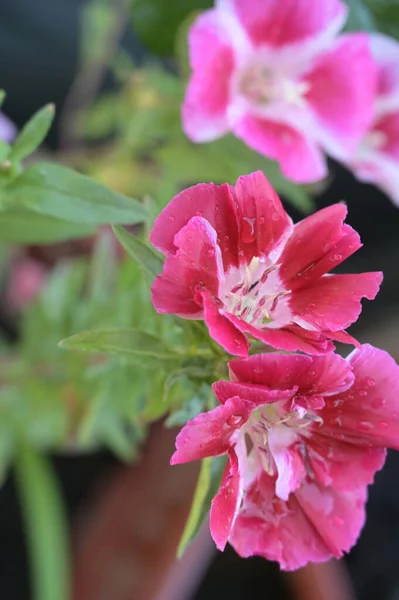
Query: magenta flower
{"points": [[7, 129], [377, 157], [234, 259], [304, 437], [275, 74]]}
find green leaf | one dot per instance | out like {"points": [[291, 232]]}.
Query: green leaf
{"points": [[149, 261], [2, 97], [33, 133], [45, 523], [23, 226], [125, 342], [359, 18], [207, 486], [60, 192]]}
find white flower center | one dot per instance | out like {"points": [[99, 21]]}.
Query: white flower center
{"points": [[259, 85], [255, 294]]}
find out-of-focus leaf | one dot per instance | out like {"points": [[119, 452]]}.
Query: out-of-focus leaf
{"points": [[23, 226], [33, 133], [97, 20], [157, 21], [132, 343], [207, 486], [45, 521], [149, 261], [60, 192]]}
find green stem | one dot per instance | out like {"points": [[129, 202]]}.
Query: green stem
{"points": [[45, 525]]}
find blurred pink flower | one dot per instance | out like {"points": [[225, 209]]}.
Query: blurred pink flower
{"points": [[304, 437], [234, 259], [26, 279], [276, 75], [377, 157], [7, 128]]}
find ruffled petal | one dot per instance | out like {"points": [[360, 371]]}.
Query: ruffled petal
{"points": [[208, 91], [300, 159], [334, 301], [226, 503], [258, 394], [209, 434]]}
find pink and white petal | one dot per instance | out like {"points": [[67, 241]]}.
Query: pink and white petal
{"points": [[212, 202], [197, 262], [318, 243], [221, 329], [334, 301], [210, 433], [300, 159], [208, 91], [379, 169], [386, 128], [385, 51], [262, 221], [288, 459], [340, 464], [342, 88], [255, 393], [226, 504], [278, 530], [279, 24], [367, 413], [290, 338]]}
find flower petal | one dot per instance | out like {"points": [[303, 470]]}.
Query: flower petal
{"points": [[342, 86], [258, 394], [334, 301], [367, 413], [209, 434], [207, 95], [226, 503], [277, 24], [263, 222], [299, 158], [7, 129], [385, 51], [212, 202], [221, 329], [197, 261]]}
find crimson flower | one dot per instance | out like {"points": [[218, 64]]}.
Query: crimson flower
{"points": [[276, 75], [304, 437], [234, 259]]}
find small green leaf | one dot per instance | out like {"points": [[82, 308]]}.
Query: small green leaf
{"points": [[22, 226], [125, 342], [207, 486], [45, 520], [2, 97], [60, 192], [33, 133], [149, 261], [359, 18]]}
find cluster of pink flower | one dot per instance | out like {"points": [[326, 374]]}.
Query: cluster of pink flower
{"points": [[278, 76], [304, 434]]}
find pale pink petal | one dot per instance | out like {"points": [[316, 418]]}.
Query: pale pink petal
{"points": [[257, 394], [318, 375], [226, 503], [385, 51], [319, 243], [207, 94], [278, 530], [288, 460], [277, 23], [212, 202], [343, 465], [387, 127], [221, 329], [197, 259], [334, 301], [263, 222], [342, 86], [209, 434], [368, 413], [379, 169], [299, 158]]}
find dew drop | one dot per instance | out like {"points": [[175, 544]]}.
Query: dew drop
{"points": [[234, 420], [338, 521], [311, 305], [365, 425], [261, 220], [362, 393], [383, 424], [370, 382], [211, 252], [237, 341], [378, 403], [199, 213], [275, 216], [226, 238], [172, 218], [338, 257], [248, 230], [192, 263]]}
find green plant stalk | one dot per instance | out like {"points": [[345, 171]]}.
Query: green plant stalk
{"points": [[45, 525]]}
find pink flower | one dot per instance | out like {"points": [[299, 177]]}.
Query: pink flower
{"points": [[234, 259], [376, 159], [304, 437], [26, 279], [275, 74], [7, 129]]}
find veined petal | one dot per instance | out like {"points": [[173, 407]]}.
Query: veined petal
{"points": [[300, 159], [258, 394], [226, 503], [209, 434], [208, 91]]}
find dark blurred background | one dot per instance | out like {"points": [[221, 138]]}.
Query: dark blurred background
{"points": [[38, 62]]}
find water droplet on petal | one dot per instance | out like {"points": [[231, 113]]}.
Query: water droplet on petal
{"points": [[383, 424], [211, 252], [275, 216], [172, 218], [261, 220], [311, 305], [248, 230], [365, 425], [234, 420], [199, 213], [370, 382], [378, 403], [362, 393], [338, 257]]}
